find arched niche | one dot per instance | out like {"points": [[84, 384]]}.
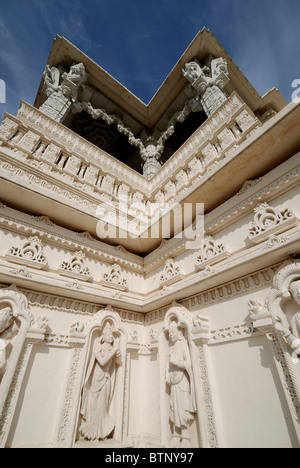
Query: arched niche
{"points": [[284, 309], [179, 315], [280, 302], [104, 319], [13, 370]]}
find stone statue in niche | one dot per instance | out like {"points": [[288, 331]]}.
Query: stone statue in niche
{"points": [[99, 386], [179, 378], [7, 332]]}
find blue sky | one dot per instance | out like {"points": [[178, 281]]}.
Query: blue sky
{"points": [[139, 41]]}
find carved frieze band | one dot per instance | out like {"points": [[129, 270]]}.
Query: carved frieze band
{"points": [[289, 178], [90, 246]]}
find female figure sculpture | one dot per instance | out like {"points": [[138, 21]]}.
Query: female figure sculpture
{"points": [[98, 389], [5, 333], [295, 321], [179, 378]]}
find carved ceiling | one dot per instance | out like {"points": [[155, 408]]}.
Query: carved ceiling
{"points": [[107, 137]]}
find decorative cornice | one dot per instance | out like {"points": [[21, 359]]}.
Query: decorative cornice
{"points": [[237, 287], [262, 191], [45, 229]]}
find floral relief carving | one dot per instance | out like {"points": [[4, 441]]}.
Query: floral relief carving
{"points": [[22, 271], [211, 252], [171, 273], [269, 220], [275, 241], [115, 278], [76, 268], [31, 253]]}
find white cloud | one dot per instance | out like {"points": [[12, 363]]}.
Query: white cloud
{"points": [[65, 18]]}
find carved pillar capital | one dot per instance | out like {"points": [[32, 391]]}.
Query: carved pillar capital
{"points": [[209, 82], [62, 90], [151, 155]]}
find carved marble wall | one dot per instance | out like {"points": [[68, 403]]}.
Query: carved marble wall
{"points": [[222, 318], [210, 340]]}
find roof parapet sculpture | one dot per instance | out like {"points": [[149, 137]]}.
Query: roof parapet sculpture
{"points": [[209, 82], [62, 90]]}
